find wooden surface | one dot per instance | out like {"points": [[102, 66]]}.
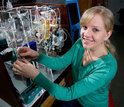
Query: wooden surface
{"points": [[50, 100], [66, 81], [83, 5]]}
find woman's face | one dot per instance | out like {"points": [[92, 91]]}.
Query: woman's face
{"points": [[94, 33]]}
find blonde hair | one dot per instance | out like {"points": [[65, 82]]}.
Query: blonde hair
{"points": [[108, 18]]}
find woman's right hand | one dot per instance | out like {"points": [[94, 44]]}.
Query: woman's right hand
{"points": [[26, 52]]}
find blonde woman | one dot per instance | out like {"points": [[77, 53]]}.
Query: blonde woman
{"points": [[92, 58]]}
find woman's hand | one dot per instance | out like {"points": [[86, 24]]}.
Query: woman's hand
{"points": [[25, 68], [26, 52]]}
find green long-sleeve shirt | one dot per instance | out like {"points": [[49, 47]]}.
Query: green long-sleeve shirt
{"points": [[90, 82]]}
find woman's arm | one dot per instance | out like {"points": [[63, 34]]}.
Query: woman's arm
{"points": [[81, 88], [57, 63]]}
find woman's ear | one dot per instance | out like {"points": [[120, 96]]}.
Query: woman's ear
{"points": [[109, 33]]}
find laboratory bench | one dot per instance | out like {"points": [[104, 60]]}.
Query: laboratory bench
{"points": [[64, 79], [12, 88]]}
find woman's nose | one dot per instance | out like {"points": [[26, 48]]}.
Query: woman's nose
{"points": [[87, 33]]}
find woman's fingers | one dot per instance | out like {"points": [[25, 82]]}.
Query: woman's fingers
{"points": [[22, 49], [16, 66], [19, 64], [25, 68], [19, 48], [16, 71], [90, 56], [25, 61], [26, 52]]}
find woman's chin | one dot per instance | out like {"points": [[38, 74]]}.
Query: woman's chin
{"points": [[86, 46]]}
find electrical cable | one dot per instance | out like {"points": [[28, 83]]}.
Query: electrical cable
{"points": [[68, 34]]}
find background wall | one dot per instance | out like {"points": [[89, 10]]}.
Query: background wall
{"points": [[51, 1], [114, 6]]}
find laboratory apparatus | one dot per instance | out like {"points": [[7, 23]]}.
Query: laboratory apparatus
{"points": [[39, 28]]}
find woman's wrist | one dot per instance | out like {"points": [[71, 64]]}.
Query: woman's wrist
{"points": [[37, 55], [34, 74]]}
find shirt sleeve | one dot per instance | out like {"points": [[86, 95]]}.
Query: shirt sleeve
{"points": [[57, 63], [90, 83]]}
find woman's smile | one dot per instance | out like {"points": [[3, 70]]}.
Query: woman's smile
{"points": [[87, 41]]}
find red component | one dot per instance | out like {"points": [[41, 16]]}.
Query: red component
{"points": [[50, 28], [33, 93], [111, 103], [39, 12]]}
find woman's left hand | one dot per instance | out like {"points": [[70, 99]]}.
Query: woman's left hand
{"points": [[25, 68]]}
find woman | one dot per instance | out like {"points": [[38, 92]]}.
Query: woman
{"points": [[92, 58]]}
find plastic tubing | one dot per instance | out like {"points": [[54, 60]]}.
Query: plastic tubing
{"points": [[3, 4], [49, 9], [14, 49], [29, 32]]}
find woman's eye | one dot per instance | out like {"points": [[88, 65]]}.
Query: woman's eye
{"points": [[95, 30], [84, 27]]}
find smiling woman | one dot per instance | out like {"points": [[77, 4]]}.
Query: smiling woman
{"points": [[93, 65], [96, 28], [93, 36]]}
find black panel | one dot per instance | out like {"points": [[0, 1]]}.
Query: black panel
{"points": [[76, 35], [73, 13]]}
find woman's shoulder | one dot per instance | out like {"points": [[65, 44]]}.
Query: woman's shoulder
{"points": [[78, 42], [110, 60], [107, 62]]}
